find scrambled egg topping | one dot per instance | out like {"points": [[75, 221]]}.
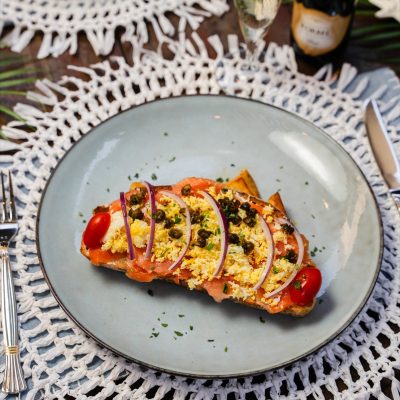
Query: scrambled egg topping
{"points": [[165, 247], [243, 270]]}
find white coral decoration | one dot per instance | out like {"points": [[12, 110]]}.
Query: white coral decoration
{"points": [[388, 8]]}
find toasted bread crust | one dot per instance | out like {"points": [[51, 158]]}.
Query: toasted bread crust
{"points": [[245, 183]]}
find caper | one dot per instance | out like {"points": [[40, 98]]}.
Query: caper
{"points": [[204, 233], [233, 238], [159, 216], [136, 214], [196, 217], [138, 197], [245, 206], [168, 223], [186, 190], [248, 247], [201, 242], [291, 256], [249, 221], [175, 233], [287, 229], [235, 219], [224, 202], [251, 212]]}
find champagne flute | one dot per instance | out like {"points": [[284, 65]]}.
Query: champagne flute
{"points": [[255, 18]]}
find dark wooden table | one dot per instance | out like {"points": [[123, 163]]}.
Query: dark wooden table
{"points": [[54, 68]]}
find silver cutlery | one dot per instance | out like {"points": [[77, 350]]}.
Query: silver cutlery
{"points": [[14, 381], [383, 150]]}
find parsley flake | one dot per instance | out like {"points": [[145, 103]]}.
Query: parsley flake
{"points": [[172, 159], [262, 320], [165, 133], [297, 284], [226, 349], [233, 165], [164, 325], [177, 333], [129, 177], [191, 327], [154, 177], [150, 292], [225, 288], [210, 246], [219, 179], [275, 270], [81, 214], [181, 315], [136, 175]]}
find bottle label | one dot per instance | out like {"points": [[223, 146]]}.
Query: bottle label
{"points": [[315, 32]]}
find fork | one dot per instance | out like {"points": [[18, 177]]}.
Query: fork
{"points": [[14, 381]]}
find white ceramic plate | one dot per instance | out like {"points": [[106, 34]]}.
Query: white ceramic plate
{"points": [[210, 136]]}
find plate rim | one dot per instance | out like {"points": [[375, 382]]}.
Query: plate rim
{"points": [[314, 349]]}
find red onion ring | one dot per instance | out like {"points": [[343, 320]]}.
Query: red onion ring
{"points": [[299, 261], [153, 210], [271, 251], [127, 229], [223, 226], [173, 196], [299, 239]]}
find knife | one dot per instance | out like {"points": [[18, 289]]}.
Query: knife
{"points": [[383, 150]]}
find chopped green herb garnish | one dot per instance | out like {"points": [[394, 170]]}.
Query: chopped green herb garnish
{"points": [[219, 179], [306, 183], [278, 180], [164, 325], [210, 246], [177, 219], [312, 216], [297, 284], [172, 159], [233, 165], [153, 177], [108, 190], [225, 288], [210, 340], [181, 315], [165, 133], [227, 179], [275, 270], [226, 349], [314, 251], [154, 334], [150, 292], [136, 175], [262, 320], [191, 327], [81, 214], [158, 319], [129, 177], [163, 312], [177, 333], [281, 167], [84, 221], [217, 231]]}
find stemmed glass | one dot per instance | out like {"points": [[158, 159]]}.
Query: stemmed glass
{"points": [[255, 18]]}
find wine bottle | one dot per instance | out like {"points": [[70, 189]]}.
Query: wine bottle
{"points": [[320, 29]]}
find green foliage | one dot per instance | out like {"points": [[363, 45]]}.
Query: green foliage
{"points": [[380, 38], [13, 79]]}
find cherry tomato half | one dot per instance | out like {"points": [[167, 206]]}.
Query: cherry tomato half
{"points": [[305, 286], [96, 229]]}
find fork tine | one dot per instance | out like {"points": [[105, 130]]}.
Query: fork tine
{"points": [[13, 211], [4, 199]]}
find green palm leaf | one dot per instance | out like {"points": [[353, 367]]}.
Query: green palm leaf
{"points": [[13, 78]]}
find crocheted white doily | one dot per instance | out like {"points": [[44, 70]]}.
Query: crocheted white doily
{"points": [[60, 362], [61, 20]]}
